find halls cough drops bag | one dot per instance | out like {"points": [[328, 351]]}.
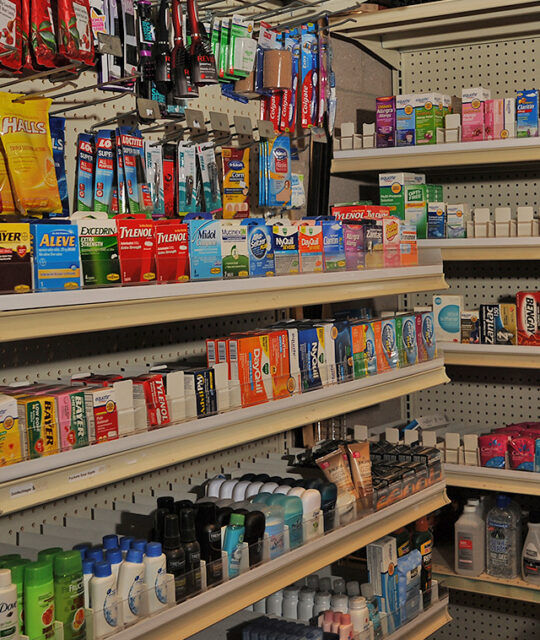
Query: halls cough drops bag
{"points": [[26, 140]]}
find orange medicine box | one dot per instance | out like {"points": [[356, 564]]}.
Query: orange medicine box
{"points": [[310, 248], [282, 383], [250, 357]]}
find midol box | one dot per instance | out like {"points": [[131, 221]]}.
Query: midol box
{"points": [[473, 124], [457, 216], [98, 244], [286, 255], [56, 256], [385, 121], [405, 121], [447, 314], [310, 248], [205, 262], [234, 250], [392, 190], [15, 257], [527, 114], [333, 246], [260, 250], [436, 220], [429, 114]]}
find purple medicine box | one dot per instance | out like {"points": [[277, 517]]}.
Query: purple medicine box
{"points": [[385, 121]]}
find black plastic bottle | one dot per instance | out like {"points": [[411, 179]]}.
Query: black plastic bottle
{"points": [[223, 516], [182, 504], [254, 525], [166, 502], [209, 537], [192, 550], [174, 553], [159, 524]]}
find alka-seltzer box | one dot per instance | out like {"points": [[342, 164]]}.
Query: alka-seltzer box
{"points": [[429, 114], [71, 418], [473, 122], [494, 119], [498, 324], [385, 121], [172, 251], [234, 249], [425, 336], [56, 256], [37, 418], [528, 317], [205, 249], [98, 244], [447, 315], [136, 247], [260, 250], [406, 340], [436, 220], [392, 190], [15, 257], [310, 248], [101, 413], [457, 216], [333, 246], [354, 245], [527, 114], [405, 121], [386, 345], [286, 256], [251, 356], [12, 442]]}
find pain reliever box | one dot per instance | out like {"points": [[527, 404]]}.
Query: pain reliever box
{"points": [[101, 413], [12, 440], [15, 257], [447, 314], [37, 417], [205, 260], [98, 245], [473, 126], [172, 251], [528, 317], [56, 256], [136, 247], [71, 418]]}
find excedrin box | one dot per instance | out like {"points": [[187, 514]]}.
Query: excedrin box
{"points": [[528, 317], [98, 245], [15, 257], [172, 251], [136, 247]]}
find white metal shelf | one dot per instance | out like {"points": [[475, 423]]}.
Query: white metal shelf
{"points": [[187, 618], [433, 156], [43, 314], [491, 355], [33, 482], [487, 479], [425, 624], [479, 249]]}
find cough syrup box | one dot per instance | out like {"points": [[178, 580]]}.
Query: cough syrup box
{"points": [[136, 247], [12, 440], [385, 121], [333, 246], [101, 413], [286, 256], [71, 418], [56, 256], [37, 417], [172, 251], [310, 248], [425, 336], [283, 385], [15, 257], [311, 357], [260, 250], [98, 245], [234, 250], [528, 317], [205, 249], [405, 121], [249, 358], [151, 389], [527, 114], [354, 244]]}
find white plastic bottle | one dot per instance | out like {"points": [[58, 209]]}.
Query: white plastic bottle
{"points": [[470, 543], [88, 572], [290, 602], [130, 585], [104, 600], [115, 559], [274, 604], [530, 558], [154, 576], [340, 602], [306, 601], [359, 616], [503, 539], [322, 602], [9, 613]]}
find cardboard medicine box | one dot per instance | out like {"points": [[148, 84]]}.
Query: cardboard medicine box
{"points": [[172, 251], [385, 121], [260, 250], [205, 261], [250, 363], [15, 257], [527, 114], [234, 250], [310, 248], [333, 246], [286, 254], [429, 115], [98, 245], [37, 417], [405, 121], [528, 317], [12, 439], [447, 314], [473, 115], [56, 256], [392, 190], [136, 247]]}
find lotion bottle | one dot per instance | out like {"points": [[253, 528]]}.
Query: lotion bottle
{"points": [[9, 615]]}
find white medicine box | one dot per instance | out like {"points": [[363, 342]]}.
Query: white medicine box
{"points": [[447, 316]]}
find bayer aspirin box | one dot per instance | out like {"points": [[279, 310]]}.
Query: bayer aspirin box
{"points": [[447, 315], [205, 249]]}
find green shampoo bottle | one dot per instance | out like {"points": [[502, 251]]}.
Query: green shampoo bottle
{"points": [[69, 594], [39, 600]]}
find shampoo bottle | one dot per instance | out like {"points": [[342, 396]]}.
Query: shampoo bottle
{"points": [[38, 600], [115, 559], [69, 594], [130, 585], [209, 537], [174, 554], [192, 550], [88, 572], [154, 576], [9, 615], [232, 543], [104, 600], [110, 541]]}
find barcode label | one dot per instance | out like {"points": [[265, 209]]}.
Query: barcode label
{"points": [[211, 352], [222, 351]]}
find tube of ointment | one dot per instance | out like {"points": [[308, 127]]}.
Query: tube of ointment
{"points": [[335, 466], [361, 471]]}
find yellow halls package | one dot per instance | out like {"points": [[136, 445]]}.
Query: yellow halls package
{"points": [[26, 139]]}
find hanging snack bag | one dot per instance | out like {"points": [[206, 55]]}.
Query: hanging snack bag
{"points": [[26, 139], [7, 203], [26, 56], [75, 39], [10, 34], [42, 35]]}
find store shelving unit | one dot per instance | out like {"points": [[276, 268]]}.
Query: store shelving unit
{"points": [[489, 355], [480, 249], [33, 482], [514, 589], [187, 618], [429, 621], [34, 315], [486, 479]]}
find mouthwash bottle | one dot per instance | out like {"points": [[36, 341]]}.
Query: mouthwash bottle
{"points": [[503, 538]]}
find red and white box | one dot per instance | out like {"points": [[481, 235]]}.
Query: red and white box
{"points": [[528, 317], [151, 388], [172, 251], [136, 248], [101, 413]]}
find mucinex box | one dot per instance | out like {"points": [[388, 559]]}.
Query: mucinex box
{"points": [[205, 249], [56, 256], [447, 314], [234, 250]]}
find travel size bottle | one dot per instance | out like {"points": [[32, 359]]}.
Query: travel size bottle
{"points": [[39, 600], [174, 553], [209, 537], [192, 550], [9, 614]]}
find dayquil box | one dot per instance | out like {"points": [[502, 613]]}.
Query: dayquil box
{"points": [[527, 114], [37, 417], [234, 249], [385, 121], [392, 190], [136, 247], [251, 355], [172, 251], [310, 248], [15, 257], [98, 245], [205, 261], [12, 442], [405, 121], [429, 114], [101, 413], [56, 256], [473, 123]]}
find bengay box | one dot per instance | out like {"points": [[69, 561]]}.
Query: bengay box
{"points": [[15, 257], [205, 249], [56, 256], [334, 248], [260, 250], [172, 251], [98, 245], [234, 249], [528, 317], [286, 256], [310, 248], [136, 247]]}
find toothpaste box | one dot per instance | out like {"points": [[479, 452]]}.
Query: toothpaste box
{"points": [[371, 350], [425, 336], [429, 114], [283, 385], [436, 220], [15, 257], [528, 317], [286, 255], [234, 250], [12, 440], [457, 216], [37, 418], [310, 248], [56, 256], [392, 190], [405, 121], [98, 245], [311, 356], [101, 413], [408, 247], [406, 340], [136, 247], [470, 328], [494, 119], [527, 114], [353, 242], [250, 363], [205, 261], [391, 242], [473, 123], [71, 418], [333, 246], [374, 244], [150, 390], [385, 121], [172, 251], [358, 343], [260, 250], [447, 315]]}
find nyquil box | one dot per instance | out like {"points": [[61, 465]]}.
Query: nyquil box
{"points": [[205, 249]]}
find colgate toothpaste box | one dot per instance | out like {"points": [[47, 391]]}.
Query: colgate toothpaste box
{"points": [[528, 317], [136, 246], [172, 251]]}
